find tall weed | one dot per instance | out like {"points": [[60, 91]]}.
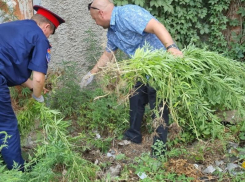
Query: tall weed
{"points": [[195, 86]]}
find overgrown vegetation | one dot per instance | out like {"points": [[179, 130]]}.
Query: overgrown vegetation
{"points": [[60, 145], [54, 152], [91, 43], [216, 23], [66, 97], [195, 86], [73, 122]]}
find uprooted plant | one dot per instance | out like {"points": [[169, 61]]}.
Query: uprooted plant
{"points": [[194, 86], [54, 152]]}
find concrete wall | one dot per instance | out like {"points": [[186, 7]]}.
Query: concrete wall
{"points": [[68, 41]]}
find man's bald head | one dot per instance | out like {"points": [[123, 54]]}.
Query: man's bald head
{"points": [[101, 11], [102, 4]]}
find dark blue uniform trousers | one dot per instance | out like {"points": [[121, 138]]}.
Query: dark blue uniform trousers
{"points": [[9, 124], [144, 95]]}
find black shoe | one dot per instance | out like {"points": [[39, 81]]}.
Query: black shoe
{"points": [[131, 140]]}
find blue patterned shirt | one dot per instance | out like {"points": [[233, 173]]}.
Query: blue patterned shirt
{"points": [[126, 30]]}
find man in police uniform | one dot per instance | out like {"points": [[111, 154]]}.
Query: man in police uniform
{"points": [[129, 28], [24, 49]]}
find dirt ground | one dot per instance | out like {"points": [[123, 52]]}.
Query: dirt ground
{"points": [[199, 153], [180, 165]]}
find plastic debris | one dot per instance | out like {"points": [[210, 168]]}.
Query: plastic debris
{"points": [[64, 172], [142, 175], [243, 164], [110, 155], [233, 145], [114, 171], [234, 169], [29, 142], [198, 166], [195, 165], [97, 135], [219, 169], [112, 151], [96, 162], [219, 163], [209, 169], [231, 166], [124, 142]]}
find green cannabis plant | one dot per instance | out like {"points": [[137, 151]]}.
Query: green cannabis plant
{"points": [[194, 86], [103, 114], [55, 155], [67, 97]]}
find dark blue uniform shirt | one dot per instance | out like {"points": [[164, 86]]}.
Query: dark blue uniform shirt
{"points": [[23, 48]]}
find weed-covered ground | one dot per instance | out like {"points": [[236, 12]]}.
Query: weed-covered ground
{"points": [[121, 160], [76, 135]]}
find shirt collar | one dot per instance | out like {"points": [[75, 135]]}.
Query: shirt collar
{"points": [[113, 17]]}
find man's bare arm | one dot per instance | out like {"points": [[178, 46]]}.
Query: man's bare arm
{"points": [[28, 84], [38, 83], [104, 59], [162, 33]]}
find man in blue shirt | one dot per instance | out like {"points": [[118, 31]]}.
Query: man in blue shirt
{"points": [[130, 27], [24, 49]]}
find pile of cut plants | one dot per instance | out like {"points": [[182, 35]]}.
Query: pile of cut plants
{"points": [[196, 87], [76, 135]]}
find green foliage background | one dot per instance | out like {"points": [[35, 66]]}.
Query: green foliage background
{"points": [[202, 22]]}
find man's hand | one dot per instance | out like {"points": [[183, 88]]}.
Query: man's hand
{"points": [[39, 99], [45, 90], [175, 52], [87, 79]]}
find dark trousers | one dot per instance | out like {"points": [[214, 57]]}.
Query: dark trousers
{"points": [[144, 95], [8, 123]]}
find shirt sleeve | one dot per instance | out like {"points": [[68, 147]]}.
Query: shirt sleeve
{"points": [[135, 18], [39, 60], [110, 45]]}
